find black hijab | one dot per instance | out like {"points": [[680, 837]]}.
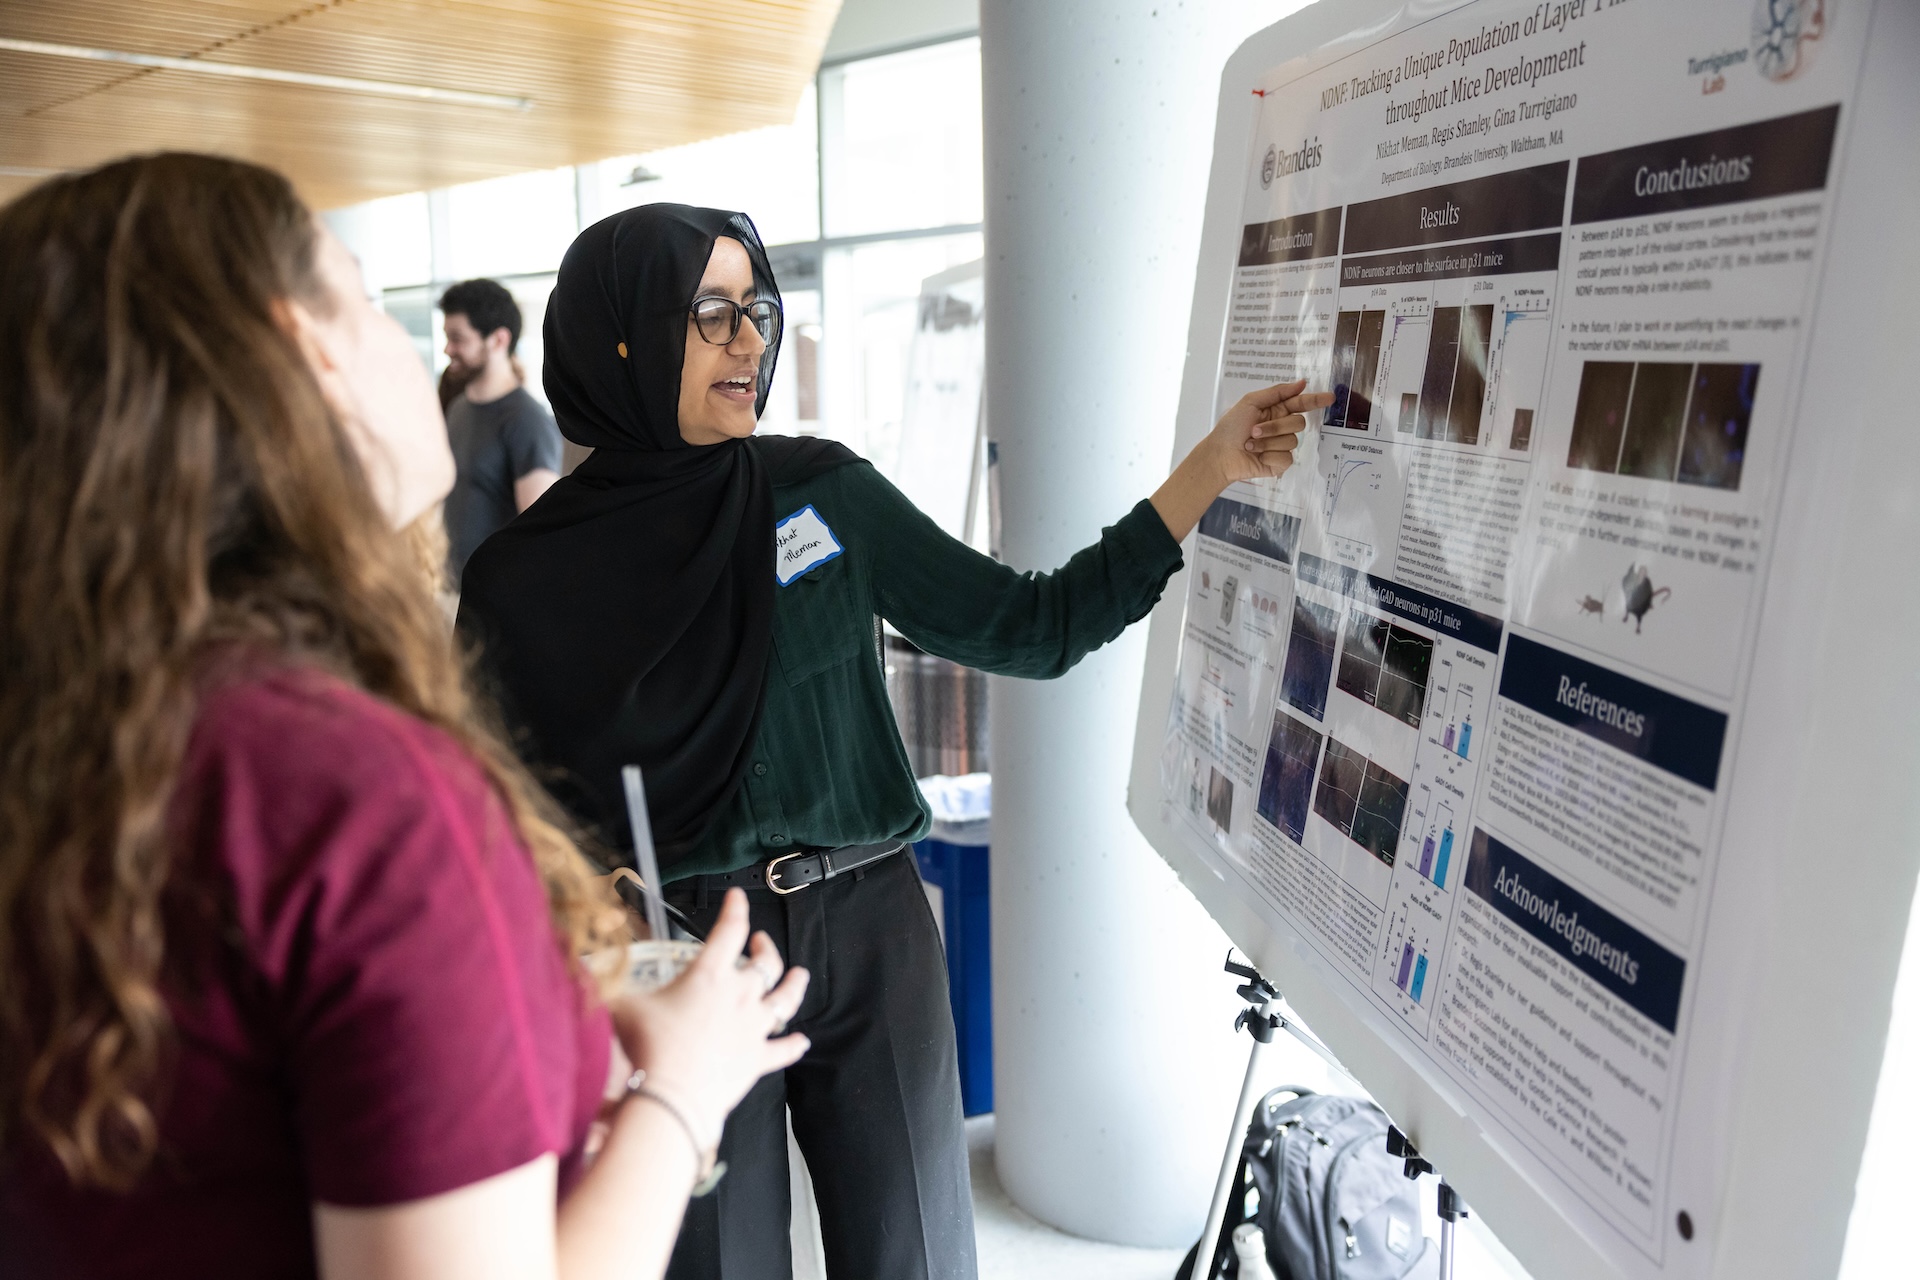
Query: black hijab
{"points": [[627, 616]]}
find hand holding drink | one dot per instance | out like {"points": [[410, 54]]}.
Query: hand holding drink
{"points": [[705, 1036]]}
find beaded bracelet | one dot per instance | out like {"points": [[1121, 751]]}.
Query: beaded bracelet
{"points": [[711, 1168]]}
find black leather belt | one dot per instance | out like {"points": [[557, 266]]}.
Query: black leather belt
{"points": [[792, 872]]}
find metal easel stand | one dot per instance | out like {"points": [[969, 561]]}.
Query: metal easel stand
{"points": [[1261, 1019], [1451, 1208]]}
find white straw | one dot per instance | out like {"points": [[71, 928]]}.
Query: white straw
{"points": [[643, 853]]}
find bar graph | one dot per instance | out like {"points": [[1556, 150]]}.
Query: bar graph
{"points": [[1457, 737], [1412, 977], [1436, 850]]}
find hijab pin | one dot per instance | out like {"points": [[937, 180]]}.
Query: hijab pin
{"points": [[623, 351]]}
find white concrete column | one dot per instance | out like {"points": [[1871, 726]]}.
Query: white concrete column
{"points": [[1115, 1068]]}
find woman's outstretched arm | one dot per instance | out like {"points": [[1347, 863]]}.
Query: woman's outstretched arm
{"points": [[1255, 437], [955, 602]]}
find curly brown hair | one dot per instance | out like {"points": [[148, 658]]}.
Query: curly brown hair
{"points": [[173, 482]]}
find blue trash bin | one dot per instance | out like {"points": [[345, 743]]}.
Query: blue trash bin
{"points": [[953, 859]]}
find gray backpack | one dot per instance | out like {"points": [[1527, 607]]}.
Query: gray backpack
{"points": [[1316, 1178]]}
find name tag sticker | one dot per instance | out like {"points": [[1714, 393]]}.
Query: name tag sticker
{"points": [[802, 542]]}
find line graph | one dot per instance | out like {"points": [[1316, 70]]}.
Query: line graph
{"points": [[1345, 513]]}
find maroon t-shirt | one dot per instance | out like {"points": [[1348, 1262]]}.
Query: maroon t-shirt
{"points": [[370, 1002]]}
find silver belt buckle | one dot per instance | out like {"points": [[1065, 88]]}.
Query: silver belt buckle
{"points": [[785, 857]]}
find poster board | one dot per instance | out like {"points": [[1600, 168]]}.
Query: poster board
{"points": [[1546, 734]]}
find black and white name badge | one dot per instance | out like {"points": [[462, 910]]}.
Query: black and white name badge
{"points": [[802, 542]]}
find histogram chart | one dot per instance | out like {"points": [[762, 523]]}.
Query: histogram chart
{"points": [[1403, 355], [1517, 366]]}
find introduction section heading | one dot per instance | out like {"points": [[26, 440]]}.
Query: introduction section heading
{"points": [[1305, 235]]}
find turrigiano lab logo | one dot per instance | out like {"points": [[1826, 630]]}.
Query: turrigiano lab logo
{"points": [[1785, 35]]}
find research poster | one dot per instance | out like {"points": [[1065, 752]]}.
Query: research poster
{"points": [[1456, 696]]}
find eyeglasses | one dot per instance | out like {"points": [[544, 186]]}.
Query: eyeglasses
{"points": [[718, 319]]}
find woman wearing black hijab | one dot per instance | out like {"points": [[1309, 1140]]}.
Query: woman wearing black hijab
{"points": [[700, 601]]}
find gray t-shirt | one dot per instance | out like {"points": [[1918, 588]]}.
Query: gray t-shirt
{"points": [[494, 444]]}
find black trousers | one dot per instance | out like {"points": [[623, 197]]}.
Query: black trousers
{"points": [[875, 1103]]}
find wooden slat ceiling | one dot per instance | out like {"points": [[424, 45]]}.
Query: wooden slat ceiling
{"points": [[606, 77]]}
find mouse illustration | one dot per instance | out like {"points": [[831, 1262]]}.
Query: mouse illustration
{"points": [[1639, 595], [1590, 605]]}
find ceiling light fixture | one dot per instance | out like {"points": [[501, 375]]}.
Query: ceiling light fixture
{"points": [[240, 71], [639, 175]]}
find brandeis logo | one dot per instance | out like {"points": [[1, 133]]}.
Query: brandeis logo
{"points": [[1278, 163]]}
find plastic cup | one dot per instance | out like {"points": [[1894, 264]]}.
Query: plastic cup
{"points": [[652, 965], [655, 963]]}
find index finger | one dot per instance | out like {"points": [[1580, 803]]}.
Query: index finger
{"points": [[728, 936], [1267, 397], [761, 950]]}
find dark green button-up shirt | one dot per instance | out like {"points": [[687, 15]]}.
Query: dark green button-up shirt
{"points": [[828, 766]]}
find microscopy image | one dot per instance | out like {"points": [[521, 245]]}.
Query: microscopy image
{"points": [[1360, 657], [1376, 819], [1286, 782], [1220, 799], [1403, 675], [1344, 331], [1363, 801], [1366, 367], [1522, 438], [1470, 376], [1342, 775], [1718, 414], [1385, 665], [1436, 388], [1600, 415], [1651, 446], [1309, 668]]}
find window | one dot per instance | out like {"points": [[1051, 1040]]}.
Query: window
{"points": [[772, 174], [392, 239], [872, 190], [510, 226], [872, 294], [901, 142]]}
